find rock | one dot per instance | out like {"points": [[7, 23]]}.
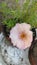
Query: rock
{"points": [[12, 55]]}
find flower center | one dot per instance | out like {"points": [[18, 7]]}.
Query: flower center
{"points": [[22, 35]]}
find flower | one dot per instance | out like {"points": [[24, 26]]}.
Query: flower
{"points": [[21, 35]]}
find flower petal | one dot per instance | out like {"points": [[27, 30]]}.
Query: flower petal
{"points": [[18, 29]]}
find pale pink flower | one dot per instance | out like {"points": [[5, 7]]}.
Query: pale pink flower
{"points": [[21, 36]]}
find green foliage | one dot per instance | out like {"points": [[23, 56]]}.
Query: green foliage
{"points": [[27, 14], [16, 0], [31, 15]]}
